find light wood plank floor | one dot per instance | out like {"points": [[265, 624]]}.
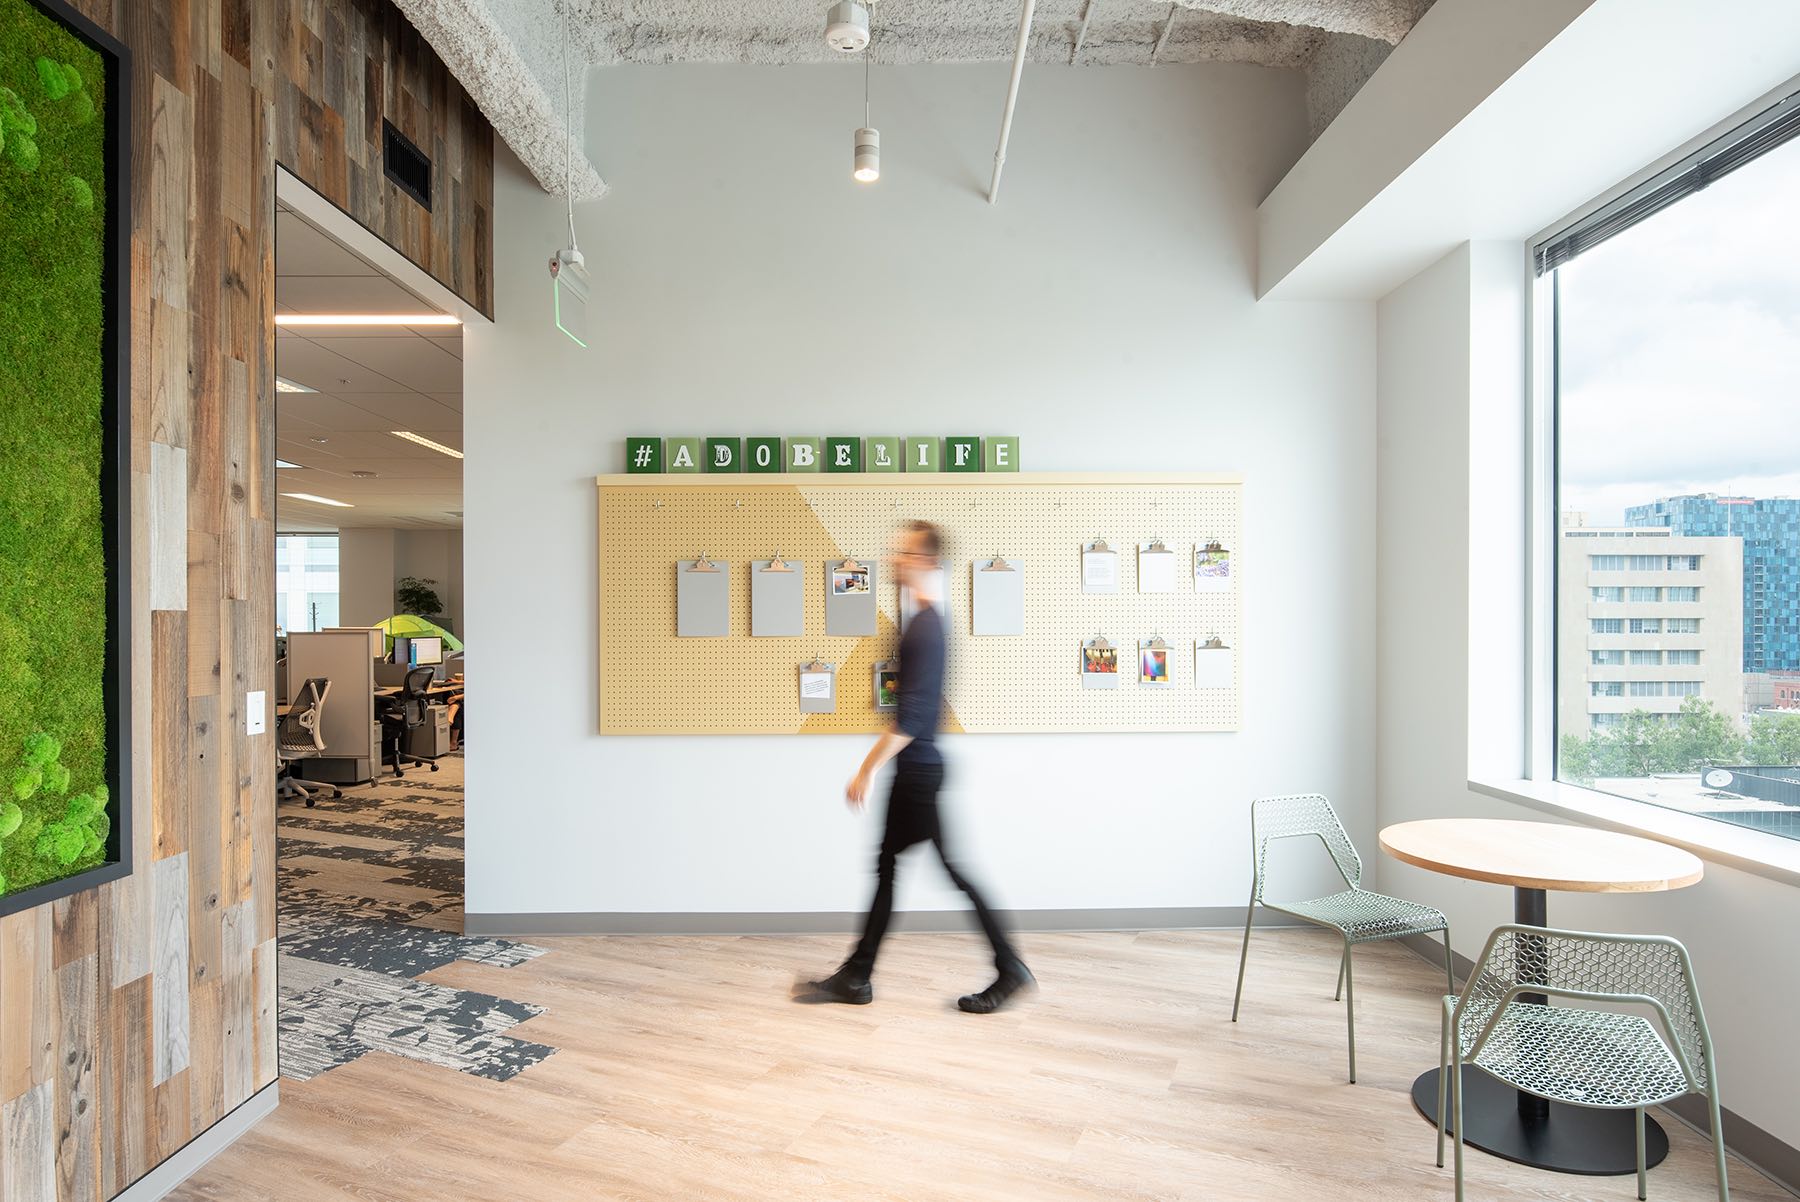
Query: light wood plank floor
{"points": [[683, 1071]]}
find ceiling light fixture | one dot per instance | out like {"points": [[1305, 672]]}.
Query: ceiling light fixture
{"points": [[285, 463], [847, 27], [367, 319], [866, 157], [283, 384], [306, 496], [425, 442]]}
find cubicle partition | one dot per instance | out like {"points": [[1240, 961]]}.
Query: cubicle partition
{"points": [[352, 736]]}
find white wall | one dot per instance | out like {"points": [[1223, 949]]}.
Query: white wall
{"points": [[371, 561], [1450, 578], [1104, 311]]}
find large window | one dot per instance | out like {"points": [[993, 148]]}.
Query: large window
{"points": [[1676, 354], [306, 581]]}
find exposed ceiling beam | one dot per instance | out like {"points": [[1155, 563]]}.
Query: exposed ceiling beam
{"points": [[487, 62], [1384, 20]]}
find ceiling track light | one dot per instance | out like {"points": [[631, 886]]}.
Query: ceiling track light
{"points": [[367, 319], [425, 442], [316, 500], [865, 160]]}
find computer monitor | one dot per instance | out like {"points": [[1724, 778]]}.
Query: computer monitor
{"points": [[400, 652], [425, 651]]}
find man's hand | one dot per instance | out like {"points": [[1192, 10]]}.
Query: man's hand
{"points": [[857, 791]]}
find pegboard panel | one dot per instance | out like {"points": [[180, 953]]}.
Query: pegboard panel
{"points": [[653, 682]]}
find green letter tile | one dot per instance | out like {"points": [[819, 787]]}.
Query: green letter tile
{"points": [[724, 454], [762, 455], [802, 454], [682, 454], [921, 454], [1001, 454], [643, 455], [843, 454], [962, 454], [881, 454]]}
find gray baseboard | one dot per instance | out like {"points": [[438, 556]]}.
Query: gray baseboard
{"points": [[1775, 1159], [160, 1181], [845, 922]]}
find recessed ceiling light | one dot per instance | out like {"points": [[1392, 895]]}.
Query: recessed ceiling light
{"points": [[367, 319], [283, 384], [285, 463], [306, 496], [439, 447], [363, 475], [320, 441]]}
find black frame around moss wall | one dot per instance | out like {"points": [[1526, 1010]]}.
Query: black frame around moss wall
{"points": [[115, 461]]}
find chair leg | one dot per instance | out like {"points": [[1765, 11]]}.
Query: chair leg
{"points": [[1642, 1192], [1718, 1134], [1350, 1008], [1443, 1079], [1449, 963], [1339, 995], [1244, 955], [1456, 1092]]}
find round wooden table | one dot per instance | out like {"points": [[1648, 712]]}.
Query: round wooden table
{"points": [[1535, 857]]}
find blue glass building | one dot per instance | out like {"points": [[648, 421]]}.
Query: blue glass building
{"points": [[1771, 533]]}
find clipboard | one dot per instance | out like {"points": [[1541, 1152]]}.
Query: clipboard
{"points": [[885, 681], [817, 682], [1156, 663], [997, 597], [702, 598], [1099, 568], [1099, 664], [850, 597], [1212, 568], [1156, 568], [777, 599], [1215, 664]]}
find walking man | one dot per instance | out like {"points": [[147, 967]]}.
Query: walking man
{"points": [[912, 808]]}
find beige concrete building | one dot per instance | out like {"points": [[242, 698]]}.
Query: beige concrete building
{"points": [[1646, 619]]}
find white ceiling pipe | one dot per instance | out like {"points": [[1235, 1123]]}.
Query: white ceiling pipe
{"points": [[1081, 34], [1012, 97]]}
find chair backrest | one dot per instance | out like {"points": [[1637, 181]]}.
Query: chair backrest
{"points": [[413, 696], [299, 732], [1610, 970], [1294, 816]]}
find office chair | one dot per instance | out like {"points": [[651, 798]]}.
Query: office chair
{"points": [[297, 737], [403, 715]]}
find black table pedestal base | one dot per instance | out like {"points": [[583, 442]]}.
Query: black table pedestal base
{"points": [[1570, 1139]]}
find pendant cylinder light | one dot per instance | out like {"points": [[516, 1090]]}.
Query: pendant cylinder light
{"points": [[867, 164]]}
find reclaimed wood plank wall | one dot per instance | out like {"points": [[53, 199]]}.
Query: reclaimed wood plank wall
{"points": [[135, 1015]]}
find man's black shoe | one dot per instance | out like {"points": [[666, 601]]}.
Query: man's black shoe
{"points": [[1013, 979], [847, 985]]}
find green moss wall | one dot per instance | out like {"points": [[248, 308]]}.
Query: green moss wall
{"points": [[52, 561]]}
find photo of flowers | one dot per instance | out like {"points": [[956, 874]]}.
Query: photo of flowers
{"points": [[1153, 665], [845, 581], [887, 688]]}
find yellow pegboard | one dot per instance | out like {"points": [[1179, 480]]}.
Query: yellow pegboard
{"points": [[653, 682]]}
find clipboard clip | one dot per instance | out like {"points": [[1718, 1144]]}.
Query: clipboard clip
{"points": [[1099, 545], [703, 564], [1214, 643], [1100, 643], [1156, 547], [1156, 643], [998, 564], [850, 565], [818, 665], [776, 564], [1214, 545]]}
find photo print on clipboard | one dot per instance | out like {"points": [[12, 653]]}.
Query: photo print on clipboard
{"points": [[1099, 664], [1212, 568], [1155, 658]]}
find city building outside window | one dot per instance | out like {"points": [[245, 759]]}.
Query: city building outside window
{"points": [[306, 582], [1675, 350]]}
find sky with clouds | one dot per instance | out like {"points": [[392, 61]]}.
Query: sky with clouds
{"points": [[1680, 349]]}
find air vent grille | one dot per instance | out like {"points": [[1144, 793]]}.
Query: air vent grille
{"points": [[405, 164]]}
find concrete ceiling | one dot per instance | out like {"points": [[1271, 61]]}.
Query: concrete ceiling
{"points": [[370, 381], [510, 54]]}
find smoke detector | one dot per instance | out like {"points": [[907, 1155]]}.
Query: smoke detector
{"points": [[847, 27]]}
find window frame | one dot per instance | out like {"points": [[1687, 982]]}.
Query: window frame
{"points": [[1775, 121]]}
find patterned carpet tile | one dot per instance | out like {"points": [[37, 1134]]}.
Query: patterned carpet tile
{"points": [[370, 893]]}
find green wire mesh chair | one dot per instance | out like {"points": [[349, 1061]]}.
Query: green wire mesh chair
{"points": [[1606, 1059], [1356, 914]]}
